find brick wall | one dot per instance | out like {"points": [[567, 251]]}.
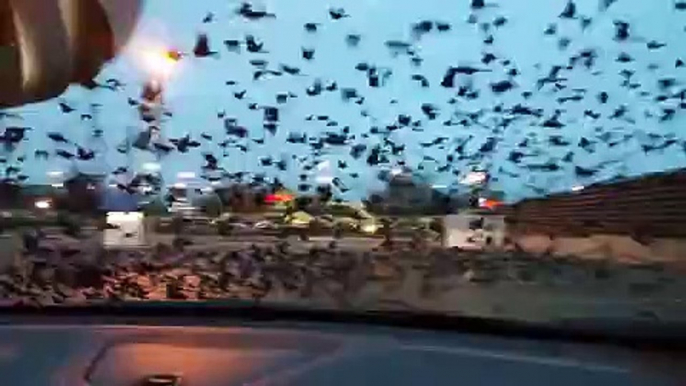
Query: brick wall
{"points": [[652, 206]]}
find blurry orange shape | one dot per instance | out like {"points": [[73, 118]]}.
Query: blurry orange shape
{"points": [[274, 198], [491, 204]]}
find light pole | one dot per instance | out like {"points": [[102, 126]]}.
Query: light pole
{"points": [[159, 65]]}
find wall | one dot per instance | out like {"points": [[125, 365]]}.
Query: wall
{"points": [[636, 219]]}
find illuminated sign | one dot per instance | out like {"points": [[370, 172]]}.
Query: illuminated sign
{"points": [[279, 197], [475, 178]]}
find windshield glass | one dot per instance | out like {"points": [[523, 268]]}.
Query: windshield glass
{"points": [[503, 159]]}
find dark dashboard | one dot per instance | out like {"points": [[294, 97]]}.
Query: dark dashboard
{"points": [[132, 351]]}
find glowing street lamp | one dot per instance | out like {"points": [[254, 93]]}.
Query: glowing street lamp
{"points": [[42, 204], [159, 64]]}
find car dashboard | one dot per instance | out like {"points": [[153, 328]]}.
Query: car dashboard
{"points": [[130, 351]]}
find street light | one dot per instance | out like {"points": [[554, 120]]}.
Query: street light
{"points": [[158, 63], [152, 166], [42, 204], [185, 175], [474, 178]]}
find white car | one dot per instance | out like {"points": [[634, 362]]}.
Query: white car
{"points": [[265, 225]]}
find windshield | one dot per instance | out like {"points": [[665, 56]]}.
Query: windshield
{"points": [[503, 159]]}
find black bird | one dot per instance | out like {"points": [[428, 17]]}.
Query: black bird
{"points": [[654, 45], [41, 154], [619, 112], [114, 84], [488, 146], [333, 86], [240, 94], [84, 154], [477, 4], [502, 86], [591, 114], [57, 137], [603, 97], [422, 27], [296, 138], [488, 58], [353, 40], [449, 77], [249, 13], [315, 89], [235, 130], [348, 94], [572, 98], [308, 53], [569, 12], [335, 139], [553, 122], [281, 165], [667, 143], [546, 167], [399, 46], [363, 66], [605, 4], [436, 141], [337, 13], [311, 27], [202, 47], [357, 150], [162, 147], [430, 111], [621, 30], [569, 157], [515, 156], [291, 70], [557, 140], [120, 170], [260, 63], [65, 108], [64, 154], [254, 46], [14, 134], [499, 21], [623, 57], [442, 26], [583, 172], [232, 45], [208, 18], [551, 29], [563, 43]]}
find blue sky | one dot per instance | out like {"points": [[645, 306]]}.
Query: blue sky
{"points": [[197, 90]]}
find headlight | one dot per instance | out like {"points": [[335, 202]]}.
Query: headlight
{"points": [[370, 228]]}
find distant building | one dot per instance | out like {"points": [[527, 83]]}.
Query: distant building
{"points": [[85, 192], [653, 205], [409, 194]]}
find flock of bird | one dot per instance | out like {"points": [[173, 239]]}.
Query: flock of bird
{"points": [[511, 134]]}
